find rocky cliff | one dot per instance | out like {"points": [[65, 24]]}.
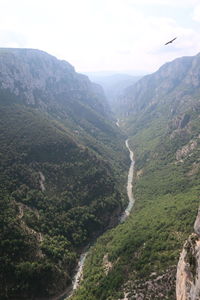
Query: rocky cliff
{"points": [[176, 82], [38, 79], [188, 270]]}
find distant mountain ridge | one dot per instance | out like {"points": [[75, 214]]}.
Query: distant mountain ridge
{"points": [[114, 85]]}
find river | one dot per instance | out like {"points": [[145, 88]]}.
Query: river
{"points": [[79, 271], [129, 186]]}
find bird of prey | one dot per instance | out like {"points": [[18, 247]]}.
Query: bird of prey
{"points": [[171, 41]]}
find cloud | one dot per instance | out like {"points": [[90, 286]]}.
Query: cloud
{"points": [[196, 14], [12, 39], [177, 3], [96, 35]]}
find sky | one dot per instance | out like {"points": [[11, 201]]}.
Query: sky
{"points": [[104, 35]]}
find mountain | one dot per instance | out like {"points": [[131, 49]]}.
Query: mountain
{"points": [[40, 81], [175, 83], [138, 259], [58, 148], [114, 85]]}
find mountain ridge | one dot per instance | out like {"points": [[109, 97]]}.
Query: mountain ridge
{"points": [[172, 80]]}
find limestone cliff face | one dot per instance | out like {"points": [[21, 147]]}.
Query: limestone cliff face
{"points": [[188, 270], [37, 79]]}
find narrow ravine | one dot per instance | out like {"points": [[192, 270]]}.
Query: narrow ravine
{"points": [[79, 272]]}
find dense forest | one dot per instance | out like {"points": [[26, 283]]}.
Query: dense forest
{"points": [[62, 173]]}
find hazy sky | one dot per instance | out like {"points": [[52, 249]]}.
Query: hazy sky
{"points": [[95, 35]]}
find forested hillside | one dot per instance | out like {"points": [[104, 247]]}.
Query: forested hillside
{"points": [[58, 148], [138, 259]]}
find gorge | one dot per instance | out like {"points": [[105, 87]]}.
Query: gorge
{"points": [[63, 182]]}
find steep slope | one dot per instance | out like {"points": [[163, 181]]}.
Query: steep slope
{"points": [[52, 172], [187, 283], [174, 83], [161, 114], [39, 80]]}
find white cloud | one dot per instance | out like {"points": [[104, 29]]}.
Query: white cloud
{"points": [[196, 14], [12, 39], [181, 3], [98, 35]]}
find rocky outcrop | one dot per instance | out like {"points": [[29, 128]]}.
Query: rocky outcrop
{"points": [[197, 224], [188, 270], [107, 265], [158, 286], [179, 122], [186, 150]]}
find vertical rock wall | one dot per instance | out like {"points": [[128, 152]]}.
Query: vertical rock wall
{"points": [[188, 270]]}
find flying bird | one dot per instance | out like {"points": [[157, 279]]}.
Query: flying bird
{"points": [[171, 41]]}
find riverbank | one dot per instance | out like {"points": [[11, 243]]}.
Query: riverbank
{"points": [[79, 273]]}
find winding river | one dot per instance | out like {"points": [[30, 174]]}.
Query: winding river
{"points": [[79, 272], [129, 186]]}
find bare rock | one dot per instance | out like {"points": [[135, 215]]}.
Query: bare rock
{"points": [[197, 224], [188, 270]]}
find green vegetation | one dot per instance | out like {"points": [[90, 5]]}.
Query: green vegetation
{"points": [[148, 244], [52, 201], [63, 162], [62, 180]]}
